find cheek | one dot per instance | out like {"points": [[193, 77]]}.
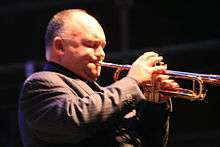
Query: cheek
{"points": [[79, 57], [71, 58], [88, 53], [82, 51]]}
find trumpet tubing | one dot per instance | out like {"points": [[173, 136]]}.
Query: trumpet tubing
{"points": [[197, 92]]}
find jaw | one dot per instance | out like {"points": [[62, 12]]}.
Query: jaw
{"points": [[93, 71], [89, 71]]}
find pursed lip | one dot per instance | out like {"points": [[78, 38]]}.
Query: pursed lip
{"points": [[97, 62]]}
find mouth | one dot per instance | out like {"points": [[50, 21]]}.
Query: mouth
{"points": [[96, 63]]}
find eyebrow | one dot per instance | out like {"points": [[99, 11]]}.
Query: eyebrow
{"points": [[96, 40]]}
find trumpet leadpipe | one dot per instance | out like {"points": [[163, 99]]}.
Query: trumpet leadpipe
{"points": [[113, 65]]}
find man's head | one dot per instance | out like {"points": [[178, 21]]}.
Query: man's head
{"points": [[75, 40]]}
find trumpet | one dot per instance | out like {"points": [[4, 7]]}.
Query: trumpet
{"points": [[152, 90]]}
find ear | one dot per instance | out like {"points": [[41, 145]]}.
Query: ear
{"points": [[58, 46]]}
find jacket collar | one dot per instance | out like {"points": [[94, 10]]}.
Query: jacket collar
{"points": [[54, 67]]}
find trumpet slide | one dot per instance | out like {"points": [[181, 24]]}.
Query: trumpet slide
{"points": [[197, 92]]}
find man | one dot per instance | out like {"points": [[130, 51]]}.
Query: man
{"points": [[64, 106]]}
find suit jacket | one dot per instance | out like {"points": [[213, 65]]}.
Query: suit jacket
{"points": [[59, 108]]}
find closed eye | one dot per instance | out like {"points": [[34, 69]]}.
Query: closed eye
{"points": [[93, 43]]}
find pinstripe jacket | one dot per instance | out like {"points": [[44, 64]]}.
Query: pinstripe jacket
{"points": [[58, 108]]}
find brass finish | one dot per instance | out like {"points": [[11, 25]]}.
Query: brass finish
{"points": [[152, 90]]}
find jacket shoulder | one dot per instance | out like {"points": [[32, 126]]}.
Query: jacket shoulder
{"points": [[46, 76]]}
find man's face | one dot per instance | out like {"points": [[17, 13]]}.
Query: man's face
{"points": [[83, 49]]}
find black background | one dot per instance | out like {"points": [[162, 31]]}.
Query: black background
{"points": [[186, 33]]}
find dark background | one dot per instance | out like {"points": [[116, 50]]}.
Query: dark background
{"points": [[186, 33]]}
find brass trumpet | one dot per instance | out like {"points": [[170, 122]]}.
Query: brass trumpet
{"points": [[152, 90]]}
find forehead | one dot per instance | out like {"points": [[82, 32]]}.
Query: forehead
{"points": [[82, 24]]}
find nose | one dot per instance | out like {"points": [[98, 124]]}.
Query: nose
{"points": [[100, 54]]}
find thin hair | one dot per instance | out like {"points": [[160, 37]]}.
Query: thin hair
{"points": [[56, 24]]}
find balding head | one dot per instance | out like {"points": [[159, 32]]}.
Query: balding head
{"points": [[71, 22], [76, 41]]}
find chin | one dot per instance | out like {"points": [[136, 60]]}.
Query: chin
{"points": [[92, 79], [95, 79], [92, 76], [96, 76]]}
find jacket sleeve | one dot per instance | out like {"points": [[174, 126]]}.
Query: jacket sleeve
{"points": [[57, 111]]}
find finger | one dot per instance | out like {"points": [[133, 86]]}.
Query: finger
{"points": [[161, 63], [166, 83], [175, 85], [159, 69], [169, 84], [153, 61], [161, 77], [146, 56]]}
